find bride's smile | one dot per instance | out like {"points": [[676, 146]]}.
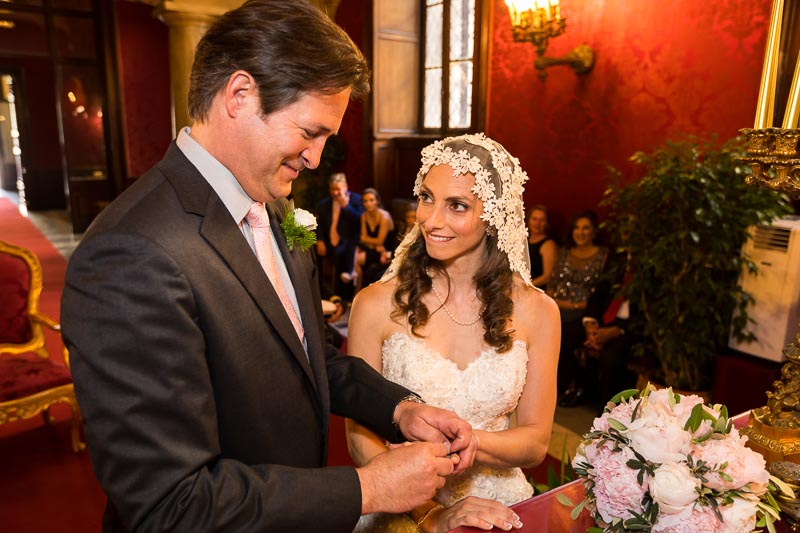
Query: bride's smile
{"points": [[449, 215]]}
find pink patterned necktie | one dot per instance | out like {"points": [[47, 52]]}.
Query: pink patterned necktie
{"points": [[259, 222]]}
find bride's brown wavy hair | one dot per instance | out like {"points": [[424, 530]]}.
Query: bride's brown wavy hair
{"points": [[494, 281]]}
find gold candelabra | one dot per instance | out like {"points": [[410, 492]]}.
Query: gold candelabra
{"points": [[774, 430], [773, 158], [773, 155]]}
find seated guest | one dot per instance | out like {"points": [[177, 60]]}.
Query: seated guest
{"points": [[338, 229], [457, 318], [542, 249], [409, 219], [608, 339], [574, 279], [377, 229]]}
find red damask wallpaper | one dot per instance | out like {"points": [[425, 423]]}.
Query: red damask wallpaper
{"points": [[353, 16], [145, 86], [662, 70]]}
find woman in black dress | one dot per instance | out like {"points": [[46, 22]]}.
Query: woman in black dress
{"points": [[377, 228], [543, 250]]}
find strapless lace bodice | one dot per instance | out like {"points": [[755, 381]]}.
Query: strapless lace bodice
{"points": [[485, 393]]}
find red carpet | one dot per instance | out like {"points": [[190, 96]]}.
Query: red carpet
{"points": [[44, 485]]}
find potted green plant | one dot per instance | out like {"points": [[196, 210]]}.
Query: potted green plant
{"points": [[683, 225]]}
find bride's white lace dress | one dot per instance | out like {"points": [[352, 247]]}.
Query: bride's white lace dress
{"points": [[485, 393]]}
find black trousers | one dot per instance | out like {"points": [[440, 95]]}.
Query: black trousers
{"points": [[572, 338], [612, 372]]}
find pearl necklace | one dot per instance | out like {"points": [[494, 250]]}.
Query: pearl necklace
{"points": [[446, 310]]}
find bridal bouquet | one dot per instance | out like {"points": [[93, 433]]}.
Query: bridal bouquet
{"points": [[662, 462]]}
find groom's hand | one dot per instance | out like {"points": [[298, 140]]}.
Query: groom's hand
{"points": [[404, 477], [430, 424]]}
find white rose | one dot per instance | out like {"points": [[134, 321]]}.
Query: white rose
{"points": [[305, 219], [658, 439], [739, 516], [673, 487]]}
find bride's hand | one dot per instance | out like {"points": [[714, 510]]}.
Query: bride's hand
{"points": [[430, 424], [472, 511]]}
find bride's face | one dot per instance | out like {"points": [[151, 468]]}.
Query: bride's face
{"points": [[449, 215]]}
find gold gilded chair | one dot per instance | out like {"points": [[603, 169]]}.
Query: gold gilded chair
{"points": [[30, 382]]}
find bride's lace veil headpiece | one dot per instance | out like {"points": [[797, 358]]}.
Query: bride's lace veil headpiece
{"points": [[499, 183]]}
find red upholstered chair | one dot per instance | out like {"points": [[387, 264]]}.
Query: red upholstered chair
{"points": [[30, 382]]}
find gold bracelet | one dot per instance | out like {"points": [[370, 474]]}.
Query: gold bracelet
{"points": [[428, 514]]}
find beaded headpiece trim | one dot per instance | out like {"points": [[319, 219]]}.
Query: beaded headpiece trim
{"points": [[499, 183]]}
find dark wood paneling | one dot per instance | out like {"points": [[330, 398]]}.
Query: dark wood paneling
{"points": [[34, 91], [397, 162]]}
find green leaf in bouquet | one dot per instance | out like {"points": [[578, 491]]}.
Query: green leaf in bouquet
{"points": [[696, 418], [616, 424], [623, 395], [563, 499]]}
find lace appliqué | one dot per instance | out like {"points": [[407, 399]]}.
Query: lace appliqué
{"points": [[485, 393]]}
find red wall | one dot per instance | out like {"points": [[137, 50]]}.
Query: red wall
{"points": [[663, 69], [352, 17], [143, 49]]}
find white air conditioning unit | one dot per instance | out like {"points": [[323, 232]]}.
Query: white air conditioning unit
{"points": [[775, 250]]}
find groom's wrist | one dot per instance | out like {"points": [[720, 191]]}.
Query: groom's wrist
{"points": [[413, 398]]}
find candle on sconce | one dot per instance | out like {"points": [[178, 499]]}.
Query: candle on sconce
{"points": [[547, 7], [791, 118], [513, 12], [769, 74]]}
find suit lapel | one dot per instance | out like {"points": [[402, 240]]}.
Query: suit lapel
{"points": [[227, 239], [298, 264], [222, 233]]}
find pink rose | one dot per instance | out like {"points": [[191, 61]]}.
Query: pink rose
{"points": [[674, 487], [621, 413], [616, 488], [739, 516], [694, 519], [745, 466], [683, 409]]}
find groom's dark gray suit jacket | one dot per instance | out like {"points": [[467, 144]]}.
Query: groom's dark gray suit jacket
{"points": [[203, 412]]}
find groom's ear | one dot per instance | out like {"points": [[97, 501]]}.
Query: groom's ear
{"points": [[240, 92]]}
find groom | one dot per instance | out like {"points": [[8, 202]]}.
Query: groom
{"points": [[196, 336]]}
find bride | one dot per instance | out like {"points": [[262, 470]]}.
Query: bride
{"points": [[457, 320]]}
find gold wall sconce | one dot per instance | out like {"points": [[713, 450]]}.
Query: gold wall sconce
{"points": [[536, 21]]}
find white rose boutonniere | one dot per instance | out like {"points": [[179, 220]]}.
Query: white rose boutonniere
{"points": [[298, 226]]}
